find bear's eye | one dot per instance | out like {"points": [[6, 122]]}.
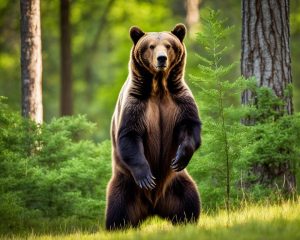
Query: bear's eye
{"points": [[151, 46], [168, 46]]}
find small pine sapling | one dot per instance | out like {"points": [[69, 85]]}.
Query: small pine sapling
{"points": [[221, 127]]}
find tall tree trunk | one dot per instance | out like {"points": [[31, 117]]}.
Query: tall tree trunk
{"points": [[192, 15], [66, 92], [31, 60], [265, 46], [266, 55]]}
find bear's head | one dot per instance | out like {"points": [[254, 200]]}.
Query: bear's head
{"points": [[158, 51]]}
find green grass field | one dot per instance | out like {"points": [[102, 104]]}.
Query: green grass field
{"points": [[251, 222]]}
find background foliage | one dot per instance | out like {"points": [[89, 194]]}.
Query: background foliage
{"points": [[96, 95]]}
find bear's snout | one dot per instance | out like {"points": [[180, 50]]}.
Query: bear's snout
{"points": [[161, 60]]}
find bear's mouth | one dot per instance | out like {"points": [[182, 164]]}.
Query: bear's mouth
{"points": [[161, 67]]}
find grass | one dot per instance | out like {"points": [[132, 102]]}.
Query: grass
{"points": [[252, 222]]}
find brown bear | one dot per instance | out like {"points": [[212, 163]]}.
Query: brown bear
{"points": [[155, 130]]}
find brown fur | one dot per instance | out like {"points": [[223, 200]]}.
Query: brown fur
{"points": [[154, 115]]}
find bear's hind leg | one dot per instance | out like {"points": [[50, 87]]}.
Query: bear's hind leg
{"points": [[125, 205], [181, 202]]}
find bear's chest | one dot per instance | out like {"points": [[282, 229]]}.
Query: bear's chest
{"points": [[161, 115]]}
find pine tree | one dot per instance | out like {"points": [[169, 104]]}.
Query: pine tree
{"points": [[221, 124]]}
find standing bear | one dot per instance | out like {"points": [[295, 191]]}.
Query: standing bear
{"points": [[155, 130]]}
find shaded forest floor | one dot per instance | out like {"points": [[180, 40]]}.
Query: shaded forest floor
{"points": [[251, 222]]}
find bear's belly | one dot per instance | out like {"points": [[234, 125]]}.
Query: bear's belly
{"points": [[159, 147]]}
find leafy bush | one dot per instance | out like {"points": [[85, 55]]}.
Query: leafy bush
{"points": [[273, 148], [50, 171]]}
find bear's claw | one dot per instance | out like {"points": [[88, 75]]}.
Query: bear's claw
{"points": [[147, 183], [182, 158], [176, 165]]}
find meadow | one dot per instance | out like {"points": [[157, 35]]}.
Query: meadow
{"points": [[260, 221]]}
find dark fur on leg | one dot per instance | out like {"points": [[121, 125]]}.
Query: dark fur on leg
{"points": [[127, 206], [181, 203]]}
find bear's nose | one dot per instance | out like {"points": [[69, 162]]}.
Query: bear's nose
{"points": [[162, 58]]}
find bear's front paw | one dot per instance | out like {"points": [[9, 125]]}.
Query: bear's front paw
{"points": [[183, 156], [144, 178], [146, 182]]}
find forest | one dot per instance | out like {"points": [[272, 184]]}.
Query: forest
{"points": [[62, 66]]}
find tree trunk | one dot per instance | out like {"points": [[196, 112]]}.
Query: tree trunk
{"points": [[31, 60], [66, 93], [265, 46], [192, 15], [266, 56]]}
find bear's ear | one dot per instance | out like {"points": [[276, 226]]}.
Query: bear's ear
{"points": [[179, 31], [136, 34]]}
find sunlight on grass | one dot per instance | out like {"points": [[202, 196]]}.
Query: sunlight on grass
{"points": [[251, 222], [258, 213]]}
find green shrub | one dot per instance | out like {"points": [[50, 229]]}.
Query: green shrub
{"points": [[51, 171], [273, 147]]}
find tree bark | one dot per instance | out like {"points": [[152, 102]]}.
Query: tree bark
{"points": [[66, 92], [265, 46], [31, 60], [266, 56], [192, 15]]}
